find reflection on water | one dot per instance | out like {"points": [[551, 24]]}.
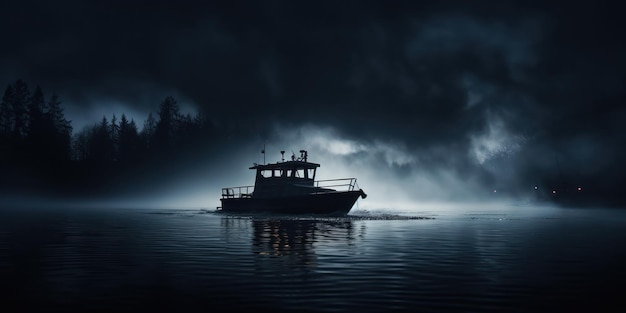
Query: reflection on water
{"points": [[296, 239], [502, 260], [292, 240]]}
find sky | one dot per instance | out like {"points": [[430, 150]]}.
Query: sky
{"points": [[420, 100]]}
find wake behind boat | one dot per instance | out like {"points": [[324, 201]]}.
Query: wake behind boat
{"points": [[289, 187]]}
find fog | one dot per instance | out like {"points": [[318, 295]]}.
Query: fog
{"points": [[421, 102], [390, 174]]}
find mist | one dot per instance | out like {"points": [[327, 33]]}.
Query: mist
{"points": [[394, 177], [421, 102]]}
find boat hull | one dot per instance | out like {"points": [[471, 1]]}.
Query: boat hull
{"points": [[327, 203]]}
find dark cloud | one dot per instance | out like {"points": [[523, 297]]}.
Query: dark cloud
{"points": [[507, 93]]}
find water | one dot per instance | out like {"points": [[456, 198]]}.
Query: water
{"points": [[520, 259]]}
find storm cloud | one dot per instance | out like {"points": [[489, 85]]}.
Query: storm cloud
{"points": [[441, 97]]}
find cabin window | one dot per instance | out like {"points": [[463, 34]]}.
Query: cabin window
{"points": [[274, 173], [311, 173], [290, 173], [300, 173]]}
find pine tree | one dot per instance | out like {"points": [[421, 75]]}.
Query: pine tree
{"points": [[6, 124], [60, 127], [20, 100], [169, 116], [114, 134], [40, 134], [36, 107], [6, 111], [128, 140], [148, 131], [101, 142], [55, 111], [81, 145]]}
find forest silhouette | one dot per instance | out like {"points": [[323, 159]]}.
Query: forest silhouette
{"points": [[41, 153]]}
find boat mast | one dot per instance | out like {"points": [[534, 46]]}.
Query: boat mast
{"points": [[303, 155], [263, 152]]}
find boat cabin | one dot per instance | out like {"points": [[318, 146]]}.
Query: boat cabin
{"points": [[285, 178]]}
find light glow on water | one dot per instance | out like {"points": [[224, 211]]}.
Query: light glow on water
{"points": [[438, 260]]}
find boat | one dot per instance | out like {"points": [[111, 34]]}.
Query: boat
{"points": [[289, 187]]}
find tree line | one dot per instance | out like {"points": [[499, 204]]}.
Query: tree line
{"points": [[35, 131], [33, 127], [121, 140]]}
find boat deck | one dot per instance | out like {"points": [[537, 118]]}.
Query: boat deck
{"points": [[339, 184]]}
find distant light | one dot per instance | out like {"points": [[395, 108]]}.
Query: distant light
{"points": [[536, 187], [553, 191], [580, 188], [494, 190]]}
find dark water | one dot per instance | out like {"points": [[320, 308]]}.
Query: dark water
{"points": [[524, 259]]}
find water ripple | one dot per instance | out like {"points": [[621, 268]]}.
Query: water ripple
{"points": [[191, 259]]}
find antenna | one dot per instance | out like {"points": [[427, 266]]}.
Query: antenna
{"points": [[263, 152], [282, 153]]}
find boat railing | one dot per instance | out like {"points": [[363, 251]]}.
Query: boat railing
{"points": [[348, 184], [340, 184], [237, 192]]}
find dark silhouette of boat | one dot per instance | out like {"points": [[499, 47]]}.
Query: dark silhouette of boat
{"points": [[289, 187]]}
